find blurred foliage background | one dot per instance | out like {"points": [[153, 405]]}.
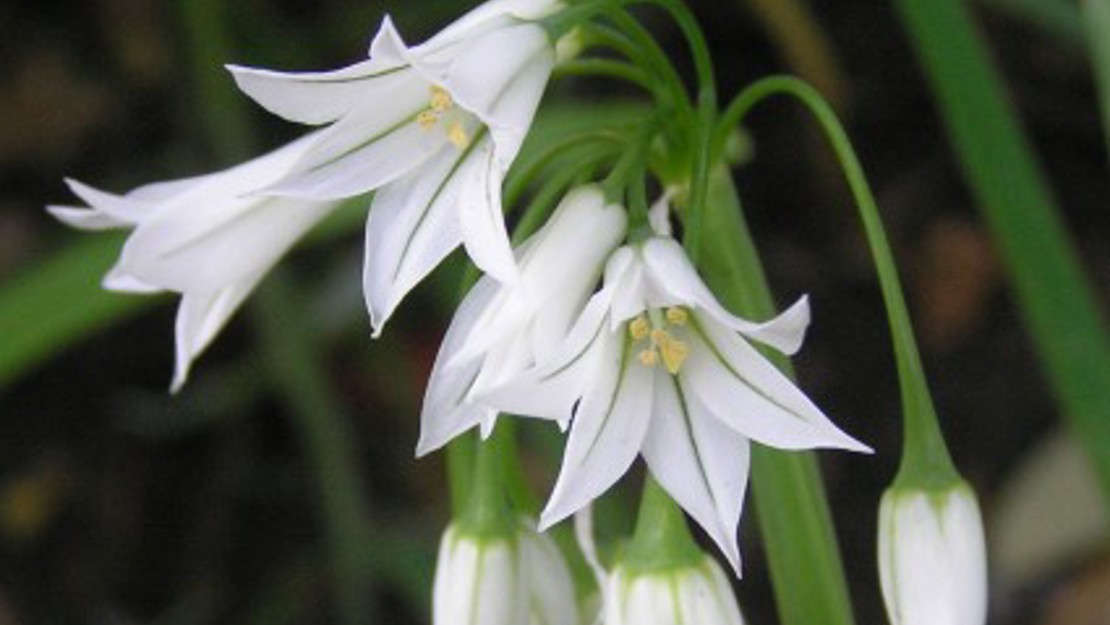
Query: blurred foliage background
{"points": [[280, 485]]}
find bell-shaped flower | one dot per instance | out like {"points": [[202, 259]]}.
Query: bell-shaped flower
{"points": [[211, 238], [516, 579], [932, 556], [674, 596], [655, 365], [500, 330], [433, 128]]}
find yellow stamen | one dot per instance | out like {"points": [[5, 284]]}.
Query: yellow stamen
{"points": [[639, 328], [677, 316], [440, 100], [457, 135], [648, 357], [660, 337], [426, 119], [674, 354]]}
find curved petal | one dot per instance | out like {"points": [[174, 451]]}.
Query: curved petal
{"points": [[323, 97], [481, 216], [86, 219], [486, 15], [367, 148], [200, 316], [672, 275], [447, 410], [607, 433], [500, 77], [737, 385], [117, 208], [701, 463], [551, 389], [412, 226], [549, 586], [207, 246]]}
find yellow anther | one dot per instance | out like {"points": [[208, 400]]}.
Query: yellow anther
{"points": [[639, 328], [648, 357], [660, 337], [677, 316], [426, 119], [440, 100], [674, 354], [457, 135]]}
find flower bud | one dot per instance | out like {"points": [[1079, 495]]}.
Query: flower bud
{"points": [[514, 579], [697, 593], [932, 557]]}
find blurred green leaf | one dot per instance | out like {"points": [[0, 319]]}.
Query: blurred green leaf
{"points": [[1058, 17], [1051, 289], [58, 302]]}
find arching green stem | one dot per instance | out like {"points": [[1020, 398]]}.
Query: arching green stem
{"points": [[925, 459]]}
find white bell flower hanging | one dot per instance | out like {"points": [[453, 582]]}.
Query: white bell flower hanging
{"points": [[433, 128], [211, 238]]}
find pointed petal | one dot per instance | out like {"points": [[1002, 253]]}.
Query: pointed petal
{"points": [[607, 432], [119, 208], [550, 390], [119, 280], [200, 316], [671, 273], [413, 225], [481, 216], [447, 411], [322, 97], [206, 246], [487, 15], [748, 394], [370, 147], [701, 463], [500, 77], [86, 219]]}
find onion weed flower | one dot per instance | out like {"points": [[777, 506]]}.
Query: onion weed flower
{"points": [[515, 579], [689, 594], [655, 365], [211, 238], [433, 128], [500, 330], [932, 556]]}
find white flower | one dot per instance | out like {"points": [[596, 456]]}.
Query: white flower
{"points": [[433, 128], [688, 595], [932, 557], [210, 238], [520, 579], [655, 365], [500, 330]]}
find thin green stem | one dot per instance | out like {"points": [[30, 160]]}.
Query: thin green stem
{"points": [[925, 458], [609, 68]]}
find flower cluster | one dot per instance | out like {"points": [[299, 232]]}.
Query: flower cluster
{"points": [[599, 321]]}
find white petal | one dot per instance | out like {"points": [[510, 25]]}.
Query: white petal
{"points": [[706, 597], [481, 216], [119, 280], [701, 463], [370, 147], [487, 15], [200, 316], [624, 275], [206, 246], [551, 389], [322, 97], [447, 412], [550, 588], [413, 225], [118, 208], [86, 219], [607, 432], [672, 273], [747, 393], [500, 77]]}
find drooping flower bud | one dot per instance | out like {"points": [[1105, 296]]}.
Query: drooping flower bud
{"points": [[502, 579], [932, 556], [698, 593]]}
